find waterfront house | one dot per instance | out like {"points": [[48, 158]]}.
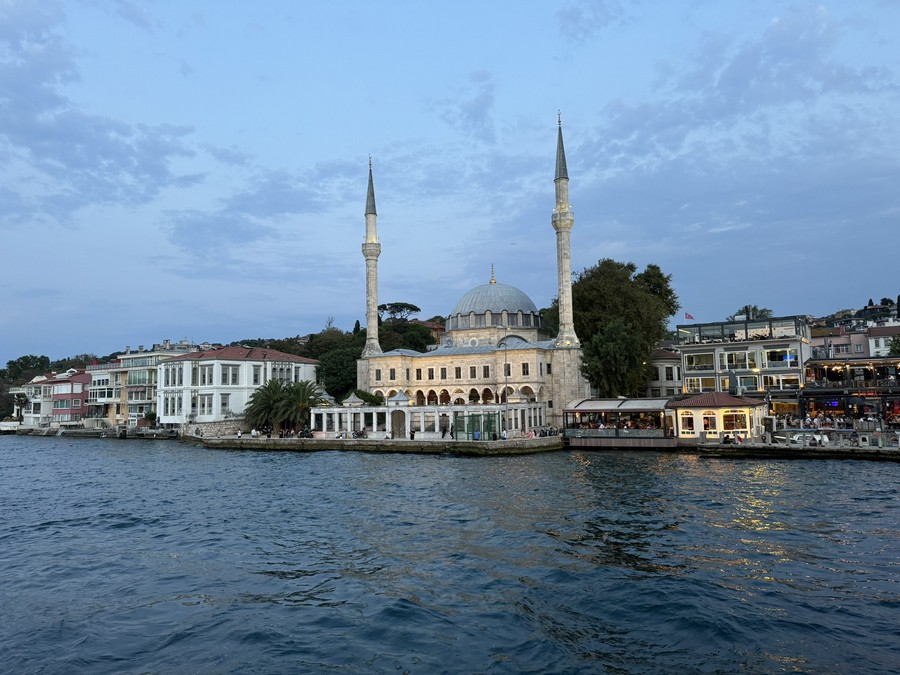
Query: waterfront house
{"points": [[715, 415], [760, 358], [214, 385], [54, 400]]}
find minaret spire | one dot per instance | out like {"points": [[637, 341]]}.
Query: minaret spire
{"points": [[370, 195], [563, 220], [371, 249]]}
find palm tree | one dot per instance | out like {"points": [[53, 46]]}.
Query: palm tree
{"points": [[264, 407], [20, 402], [298, 400]]}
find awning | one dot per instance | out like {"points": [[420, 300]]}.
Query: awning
{"points": [[621, 405]]}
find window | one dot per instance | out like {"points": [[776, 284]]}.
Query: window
{"points": [[784, 358], [549, 369], [230, 374], [525, 369], [418, 373], [687, 421], [443, 373], [506, 370], [206, 375], [858, 349], [431, 373], [76, 402], [734, 420], [392, 374], [699, 362], [457, 372], [378, 374], [709, 420], [256, 373], [138, 377], [206, 404], [224, 400], [670, 373], [486, 370], [696, 385], [472, 372], [843, 349]]}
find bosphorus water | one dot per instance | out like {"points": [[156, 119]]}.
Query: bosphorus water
{"points": [[158, 557]]}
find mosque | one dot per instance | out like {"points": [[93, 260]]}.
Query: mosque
{"points": [[496, 372]]}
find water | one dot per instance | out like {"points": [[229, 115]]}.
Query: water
{"points": [[156, 557]]}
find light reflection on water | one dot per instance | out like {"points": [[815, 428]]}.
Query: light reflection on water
{"points": [[157, 557]]}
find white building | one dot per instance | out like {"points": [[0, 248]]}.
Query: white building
{"points": [[216, 384]]}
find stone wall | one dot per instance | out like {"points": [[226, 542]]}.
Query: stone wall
{"points": [[221, 429]]}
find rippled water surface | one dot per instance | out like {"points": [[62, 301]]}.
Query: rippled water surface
{"points": [[143, 557]]}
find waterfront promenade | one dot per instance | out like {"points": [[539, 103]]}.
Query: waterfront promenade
{"points": [[471, 448]]}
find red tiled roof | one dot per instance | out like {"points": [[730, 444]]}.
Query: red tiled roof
{"points": [[884, 331], [716, 399], [243, 354]]}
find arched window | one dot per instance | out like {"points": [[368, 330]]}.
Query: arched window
{"points": [[687, 421]]}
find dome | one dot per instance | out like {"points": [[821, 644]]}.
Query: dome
{"points": [[495, 298]]}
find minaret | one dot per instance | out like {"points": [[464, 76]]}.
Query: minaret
{"points": [[563, 220], [371, 249]]}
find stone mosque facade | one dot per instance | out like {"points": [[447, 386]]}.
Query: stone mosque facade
{"points": [[496, 369]]}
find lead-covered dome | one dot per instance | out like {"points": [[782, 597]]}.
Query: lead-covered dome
{"points": [[495, 298]]}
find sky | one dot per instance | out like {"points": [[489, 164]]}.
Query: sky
{"points": [[198, 170]]}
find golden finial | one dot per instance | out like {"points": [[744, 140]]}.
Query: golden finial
{"points": [[493, 280]]}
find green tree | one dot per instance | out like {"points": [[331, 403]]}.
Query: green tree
{"points": [[895, 346], [751, 313], [612, 301], [21, 400], [397, 310], [403, 334], [265, 405], [337, 370], [614, 360], [298, 399], [25, 368]]}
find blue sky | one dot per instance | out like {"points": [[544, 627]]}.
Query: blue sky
{"points": [[198, 170]]}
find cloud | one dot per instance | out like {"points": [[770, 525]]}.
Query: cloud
{"points": [[77, 158], [469, 112], [133, 13], [581, 21]]}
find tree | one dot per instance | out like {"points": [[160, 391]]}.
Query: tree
{"points": [[751, 313], [337, 371], [631, 309], [397, 310], [265, 405], [298, 399], [895, 346], [25, 368], [21, 400], [403, 334], [614, 360]]}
